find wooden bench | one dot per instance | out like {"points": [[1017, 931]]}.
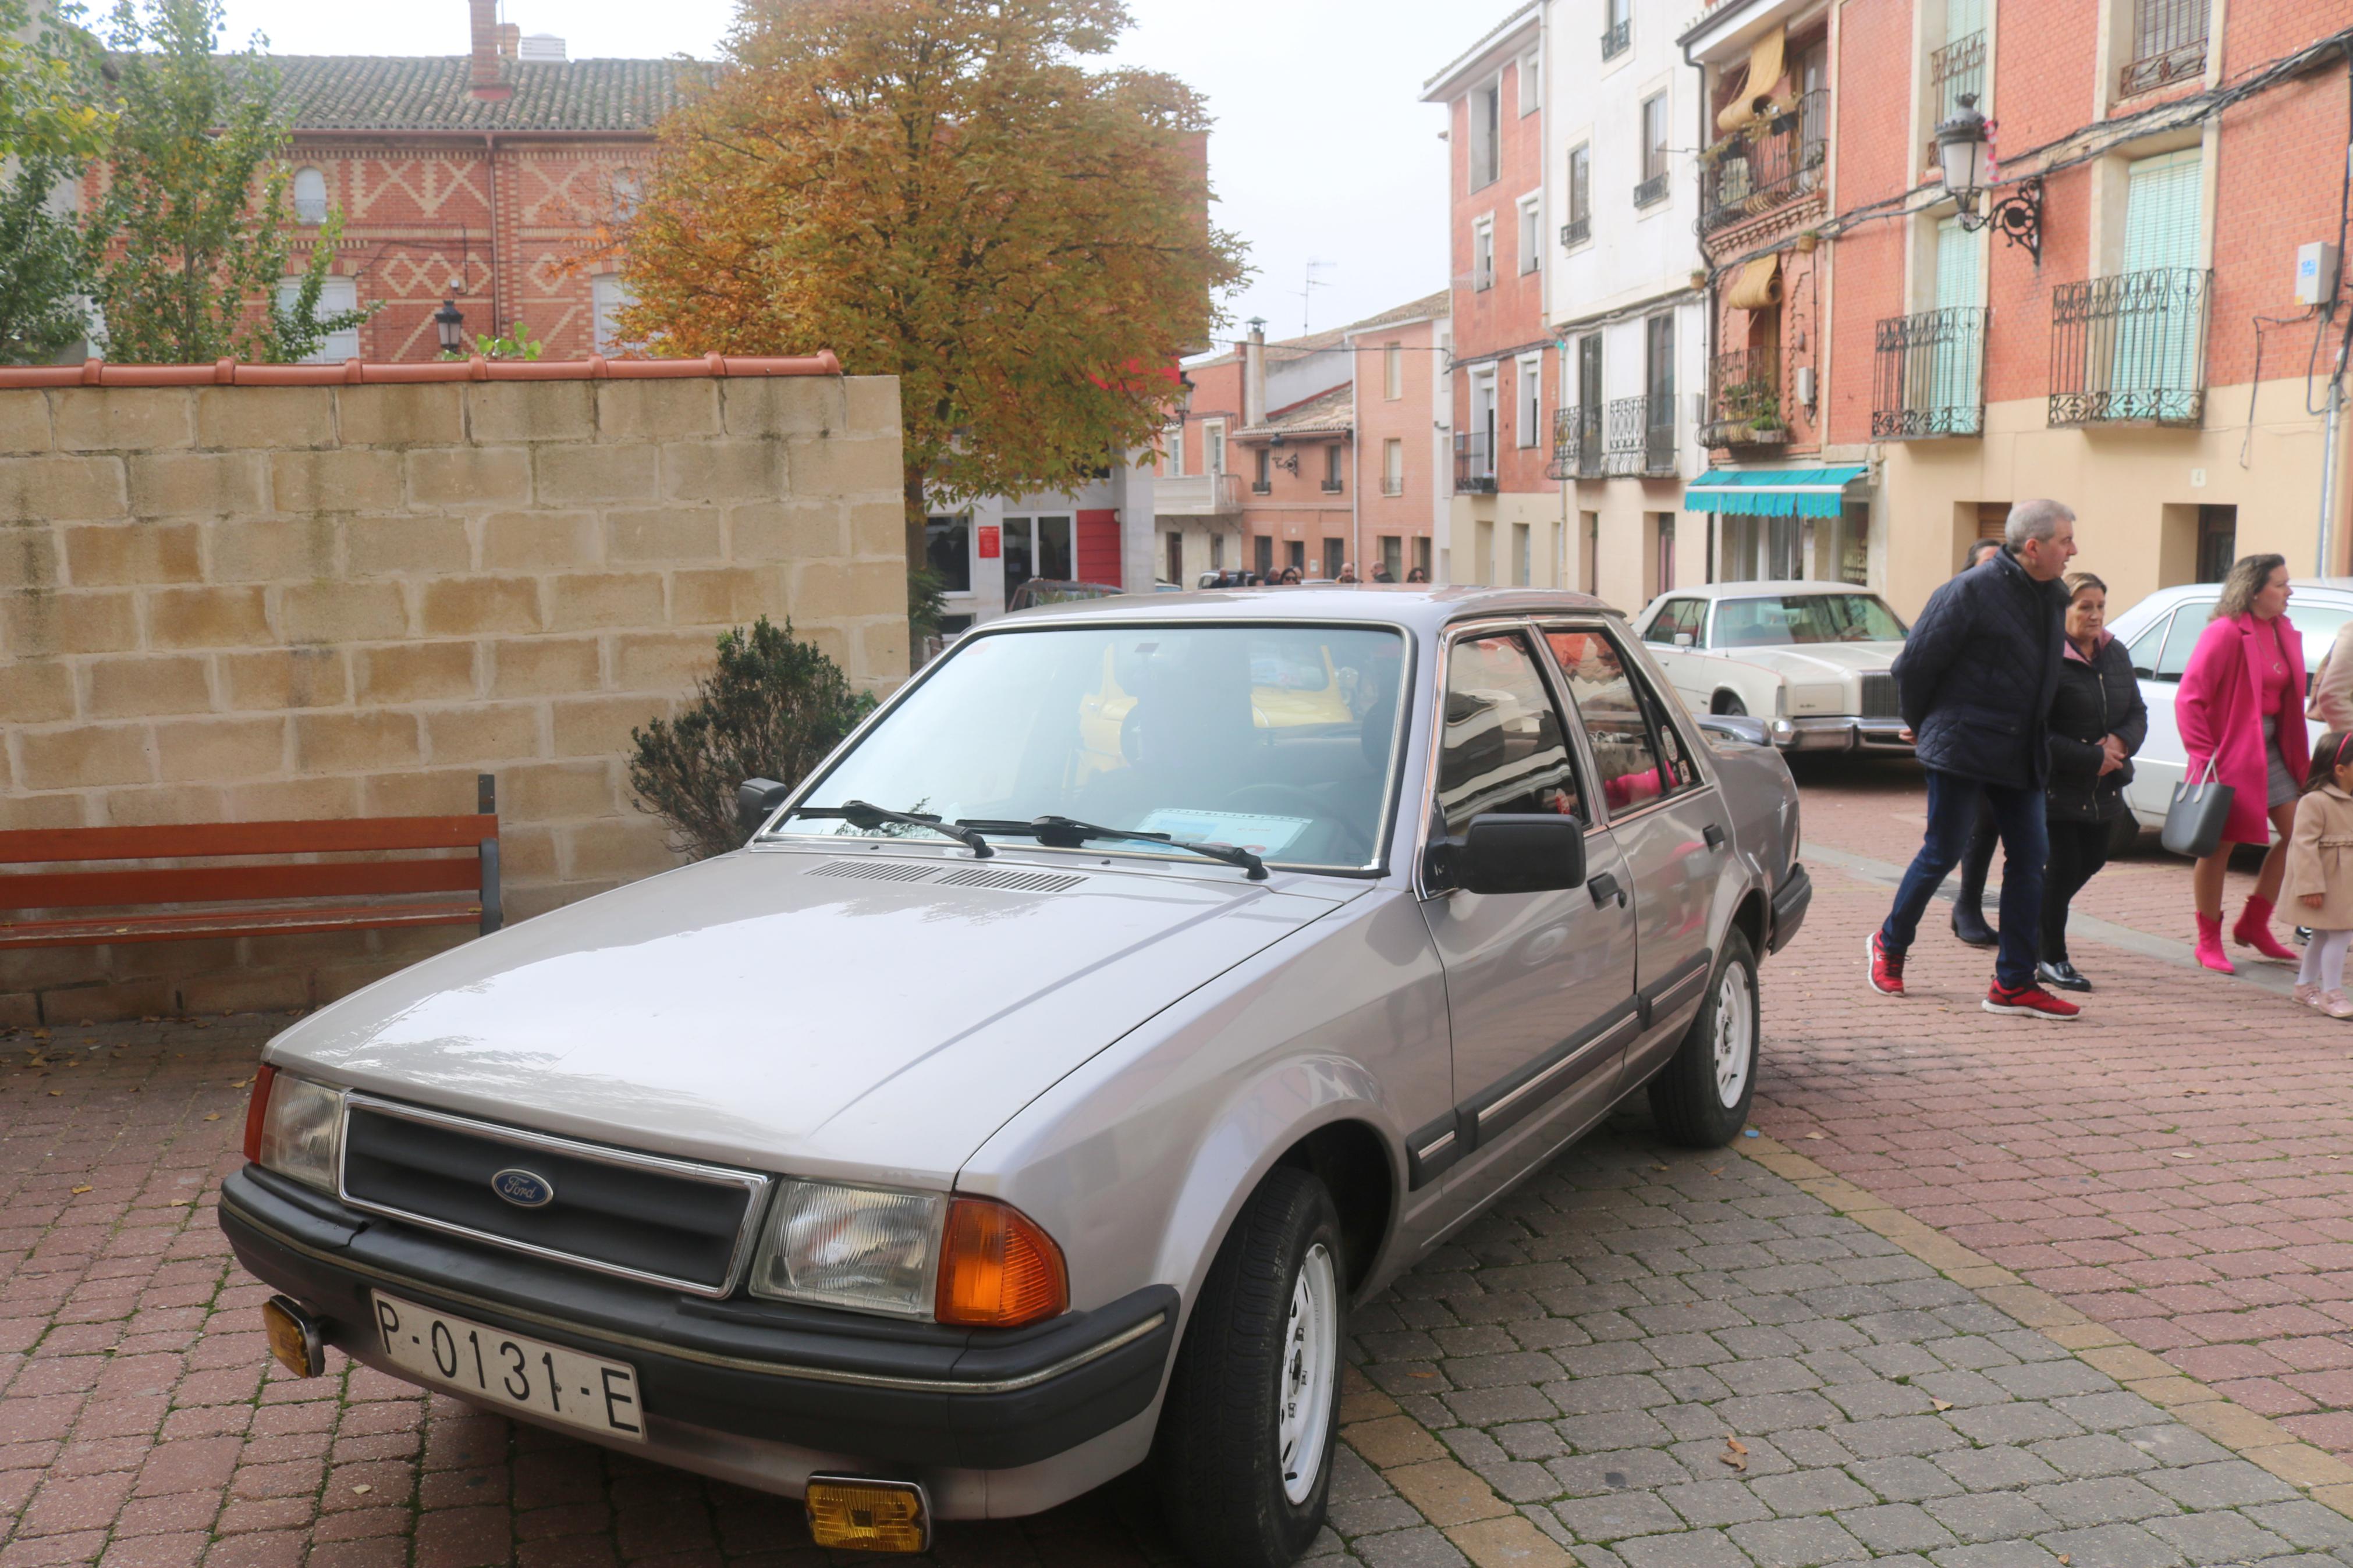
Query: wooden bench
{"points": [[254, 899]]}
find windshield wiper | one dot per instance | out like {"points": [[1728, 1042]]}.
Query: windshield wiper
{"points": [[866, 817], [1062, 833]]}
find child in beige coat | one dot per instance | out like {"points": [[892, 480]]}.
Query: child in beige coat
{"points": [[2319, 882]]}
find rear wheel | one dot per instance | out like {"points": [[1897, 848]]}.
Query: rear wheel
{"points": [[1702, 1097], [1243, 1456]]}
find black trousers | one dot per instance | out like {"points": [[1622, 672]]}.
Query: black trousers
{"points": [[2078, 850]]}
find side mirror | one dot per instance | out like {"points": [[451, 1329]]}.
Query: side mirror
{"points": [[755, 801], [1737, 726], [1533, 852], [1684, 640]]}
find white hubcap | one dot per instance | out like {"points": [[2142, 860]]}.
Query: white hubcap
{"points": [[1311, 1365], [1735, 1034]]}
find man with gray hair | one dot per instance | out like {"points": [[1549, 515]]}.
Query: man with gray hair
{"points": [[1975, 679]]}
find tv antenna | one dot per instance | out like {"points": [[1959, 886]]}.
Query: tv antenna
{"points": [[1308, 285]]}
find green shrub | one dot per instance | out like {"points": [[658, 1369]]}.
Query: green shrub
{"points": [[773, 709]]}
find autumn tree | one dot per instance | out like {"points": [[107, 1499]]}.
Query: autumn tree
{"points": [[192, 227], [51, 121], [942, 191]]}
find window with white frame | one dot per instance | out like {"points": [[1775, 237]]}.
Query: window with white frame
{"points": [[1173, 447], [336, 296], [1578, 228], [1531, 398], [1393, 466], [1483, 254], [1393, 372], [309, 195], [1486, 109], [1213, 446], [1531, 82], [609, 297], [1531, 233]]}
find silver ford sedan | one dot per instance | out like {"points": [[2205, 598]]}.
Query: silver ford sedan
{"points": [[1031, 1095]]}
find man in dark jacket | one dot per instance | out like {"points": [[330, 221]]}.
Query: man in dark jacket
{"points": [[1975, 679]]}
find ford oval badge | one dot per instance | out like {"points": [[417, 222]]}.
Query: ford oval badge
{"points": [[524, 1189]]}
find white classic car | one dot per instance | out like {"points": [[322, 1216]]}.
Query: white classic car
{"points": [[2160, 632], [1809, 661]]}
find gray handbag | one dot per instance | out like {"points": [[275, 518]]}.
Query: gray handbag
{"points": [[2193, 822]]}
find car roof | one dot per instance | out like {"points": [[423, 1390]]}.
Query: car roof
{"points": [[1762, 589], [2333, 588], [1417, 607]]}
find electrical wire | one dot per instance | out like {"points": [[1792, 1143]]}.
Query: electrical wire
{"points": [[2255, 380]]}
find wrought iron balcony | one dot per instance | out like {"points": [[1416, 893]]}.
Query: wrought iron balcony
{"points": [[1392, 484], [1653, 189], [2168, 43], [1958, 68], [1575, 231], [1331, 487], [2130, 349], [1745, 407], [1261, 486], [1637, 436], [1617, 39], [1928, 375], [1575, 443], [1771, 164], [1474, 462]]}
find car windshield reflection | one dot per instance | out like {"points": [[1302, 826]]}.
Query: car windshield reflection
{"points": [[1274, 739], [1785, 620]]}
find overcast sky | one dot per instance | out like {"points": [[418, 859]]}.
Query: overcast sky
{"points": [[1323, 151]]}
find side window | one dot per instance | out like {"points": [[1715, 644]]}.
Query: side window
{"points": [[2144, 649], [1640, 755], [1676, 616], [1504, 748], [2188, 625]]}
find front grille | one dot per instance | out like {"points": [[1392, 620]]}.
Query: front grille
{"points": [[1879, 697], [668, 1221]]}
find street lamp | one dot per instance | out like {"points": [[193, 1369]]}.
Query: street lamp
{"points": [[1965, 158], [450, 324]]}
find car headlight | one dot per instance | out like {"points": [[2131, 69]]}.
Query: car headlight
{"points": [[295, 1128], [859, 1247]]}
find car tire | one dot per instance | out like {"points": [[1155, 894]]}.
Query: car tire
{"points": [[1259, 1373], [1701, 1097], [1727, 703]]}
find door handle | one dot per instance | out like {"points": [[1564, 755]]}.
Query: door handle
{"points": [[1605, 888], [1714, 834]]}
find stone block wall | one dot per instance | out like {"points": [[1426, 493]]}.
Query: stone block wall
{"points": [[237, 602]]}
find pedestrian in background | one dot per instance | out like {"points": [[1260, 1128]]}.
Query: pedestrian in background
{"points": [[1977, 861], [2238, 712], [2332, 684], [2097, 722], [1975, 679], [2319, 878]]}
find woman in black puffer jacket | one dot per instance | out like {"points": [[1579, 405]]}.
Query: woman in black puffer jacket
{"points": [[2097, 722]]}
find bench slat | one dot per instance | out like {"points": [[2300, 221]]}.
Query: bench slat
{"points": [[219, 884], [25, 845], [192, 927]]}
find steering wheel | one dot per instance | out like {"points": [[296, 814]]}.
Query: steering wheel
{"points": [[1288, 800]]}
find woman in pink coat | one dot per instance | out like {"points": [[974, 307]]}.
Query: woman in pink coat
{"points": [[2242, 707]]}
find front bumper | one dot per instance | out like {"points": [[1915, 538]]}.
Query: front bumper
{"points": [[1841, 732], [1790, 901], [890, 1394]]}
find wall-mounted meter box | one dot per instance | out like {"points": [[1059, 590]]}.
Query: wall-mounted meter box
{"points": [[2315, 273]]}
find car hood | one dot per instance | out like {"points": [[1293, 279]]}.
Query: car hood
{"points": [[811, 1013], [1820, 661]]}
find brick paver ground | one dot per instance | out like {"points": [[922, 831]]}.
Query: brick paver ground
{"points": [[1557, 1385]]}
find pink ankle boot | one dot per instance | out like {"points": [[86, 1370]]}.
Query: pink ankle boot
{"points": [[2210, 945], [2254, 929]]}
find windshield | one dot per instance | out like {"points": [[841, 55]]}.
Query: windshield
{"points": [[1784, 619], [1274, 739]]}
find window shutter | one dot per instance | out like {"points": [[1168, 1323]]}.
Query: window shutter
{"points": [[2161, 212], [1957, 265]]}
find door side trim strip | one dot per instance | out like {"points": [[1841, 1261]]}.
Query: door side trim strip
{"points": [[1664, 997]]}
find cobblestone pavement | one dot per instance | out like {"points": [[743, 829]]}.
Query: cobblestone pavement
{"points": [[1559, 1385]]}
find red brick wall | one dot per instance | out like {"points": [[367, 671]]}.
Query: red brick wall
{"points": [[1510, 315]]}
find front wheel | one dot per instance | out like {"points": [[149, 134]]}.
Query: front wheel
{"points": [[1729, 704], [1243, 1456], [1702, 1097]]}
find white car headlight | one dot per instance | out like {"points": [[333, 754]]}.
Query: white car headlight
{"points": [[859, 1247], [302, 1131]]}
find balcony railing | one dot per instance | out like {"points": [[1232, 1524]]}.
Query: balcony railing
{"points": [[1575, 443], [1958, 68], [2168, 43], [1744, 406], [1775, 162], [2130, 348], [1331, 487], [1653, 189], [1474, 462], [1637, 436], [1261, 486], [1575, 231], [1197, 495], [1392, 484], [1617, 39], [1928, 378]]}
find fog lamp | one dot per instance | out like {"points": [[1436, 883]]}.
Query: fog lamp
{"points": [[294, 1337], [868, 1516]]}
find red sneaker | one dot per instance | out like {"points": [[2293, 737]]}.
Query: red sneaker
{"points": [[1886, 968], [2029, 1001]]}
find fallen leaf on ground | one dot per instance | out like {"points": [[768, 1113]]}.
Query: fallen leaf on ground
{"points": [[54, 1093], [1813, 1137], [2064, 1560], [1940, 1404], [2183, 1153], [79, 1191], [1734, 1454], [240, 1083], [214, 1117], [363, 1488]]}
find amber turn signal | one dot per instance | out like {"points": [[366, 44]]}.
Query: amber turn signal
{"points": [[867, 1516], [997, 1268], [294, 1337], [256, 1112]]}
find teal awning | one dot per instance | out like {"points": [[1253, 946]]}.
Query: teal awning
{"points": [[1772, 492]]}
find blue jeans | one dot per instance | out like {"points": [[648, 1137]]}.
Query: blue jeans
{"points": [[2018, 814]]}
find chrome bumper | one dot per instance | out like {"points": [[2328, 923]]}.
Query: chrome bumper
{"points": [[1841, 733]]}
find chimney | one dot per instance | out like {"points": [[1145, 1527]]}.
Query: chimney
{"points": [[510, 40], [488, 82], [1254, 374]]}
